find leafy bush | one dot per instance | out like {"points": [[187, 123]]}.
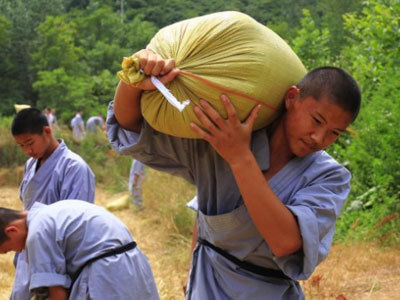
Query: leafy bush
{"points": [[371, 154], [372, 210], [10, 153]]}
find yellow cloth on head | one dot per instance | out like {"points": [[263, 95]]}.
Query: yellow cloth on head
{"points": [[225, 52], [19, 107]]}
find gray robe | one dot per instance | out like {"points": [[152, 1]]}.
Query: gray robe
{"points": [[63, 236], [64, 175], [313, 188]]}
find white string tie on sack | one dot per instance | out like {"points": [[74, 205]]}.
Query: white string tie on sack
{"points": [[167, 94]]}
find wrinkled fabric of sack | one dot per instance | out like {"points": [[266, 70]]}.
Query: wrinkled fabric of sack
{"points": [[225, 52]]}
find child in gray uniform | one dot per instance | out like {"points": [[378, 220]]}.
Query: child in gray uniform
{"points": [[268, 200], [79, 251], [136, 176]]}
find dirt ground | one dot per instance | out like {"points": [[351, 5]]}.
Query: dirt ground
{"points": [[351, 272]]}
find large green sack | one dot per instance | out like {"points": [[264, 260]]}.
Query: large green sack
{"points": [[225, 52]]}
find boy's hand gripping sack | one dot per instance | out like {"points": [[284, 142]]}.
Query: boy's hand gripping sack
{"points": [[226, 52]]}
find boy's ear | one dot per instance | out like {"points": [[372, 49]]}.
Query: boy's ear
{"points": [[46, 129], [292, 94], [10, 230]]}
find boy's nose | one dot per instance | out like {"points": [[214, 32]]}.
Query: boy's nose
{"points": [[318, 138]]}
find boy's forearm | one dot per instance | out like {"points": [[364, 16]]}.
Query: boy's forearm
{"points": [[57, 293], [127, 107], [272, 218]]}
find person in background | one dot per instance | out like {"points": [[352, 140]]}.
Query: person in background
{"points": [[136, 176], [46, 112], [78, 251], [268, 200], [94, 123], [53, 120], [78, 126], [52, 173]]}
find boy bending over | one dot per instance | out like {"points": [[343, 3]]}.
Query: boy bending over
{"points": [[79, 251]]}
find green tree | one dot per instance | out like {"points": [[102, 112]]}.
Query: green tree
{"points": [[24, 17], [64, 91], [311, 43], [330, 15], [7, 83], [106, 40], [372, 56], [62, 77], [374, 36], [57, 46]]}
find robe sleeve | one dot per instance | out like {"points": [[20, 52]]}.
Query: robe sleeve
{"points": [[157, 150], [47, 263], [316, 208]]}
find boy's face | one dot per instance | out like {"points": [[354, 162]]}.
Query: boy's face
{"points": [[312, 125], [16, 240], [33, 145]]}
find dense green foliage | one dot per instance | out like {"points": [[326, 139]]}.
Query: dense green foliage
{"points": [[65, 53]]}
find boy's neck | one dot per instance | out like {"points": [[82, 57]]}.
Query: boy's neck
{"points": [[53, 145], [279, 150]]}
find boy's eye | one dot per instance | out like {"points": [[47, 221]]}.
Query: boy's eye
{"points": [[316, 120]]}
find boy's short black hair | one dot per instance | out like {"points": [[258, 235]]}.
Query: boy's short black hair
{"points": [[29, 120], [6, 217], [335, 84]]}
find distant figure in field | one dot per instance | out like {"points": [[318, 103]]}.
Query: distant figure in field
{"points": [[77, 251], [46, 112], [136, 176], [78, 126], [53, 120], [52, 173], [94, 123]]}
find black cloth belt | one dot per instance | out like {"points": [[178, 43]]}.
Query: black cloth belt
{"points": [[112, 252], [245, 265]]}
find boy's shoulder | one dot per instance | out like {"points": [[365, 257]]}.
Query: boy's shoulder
{"points": [[327, 164], [68, 157]]}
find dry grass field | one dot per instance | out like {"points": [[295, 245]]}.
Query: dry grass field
{"points": [[352, 271]]}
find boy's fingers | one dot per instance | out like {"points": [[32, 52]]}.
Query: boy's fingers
{"points": [[213, 114], [149, 64], [253, 115], [205, 121], [169, 77], [200, 132], [158, 67], [142, 55], [168, 66], [230, 109]]}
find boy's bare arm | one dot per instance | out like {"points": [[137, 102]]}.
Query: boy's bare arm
{"points": [[57, 293], [231, 139], [127, 97], [127, 106]]}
